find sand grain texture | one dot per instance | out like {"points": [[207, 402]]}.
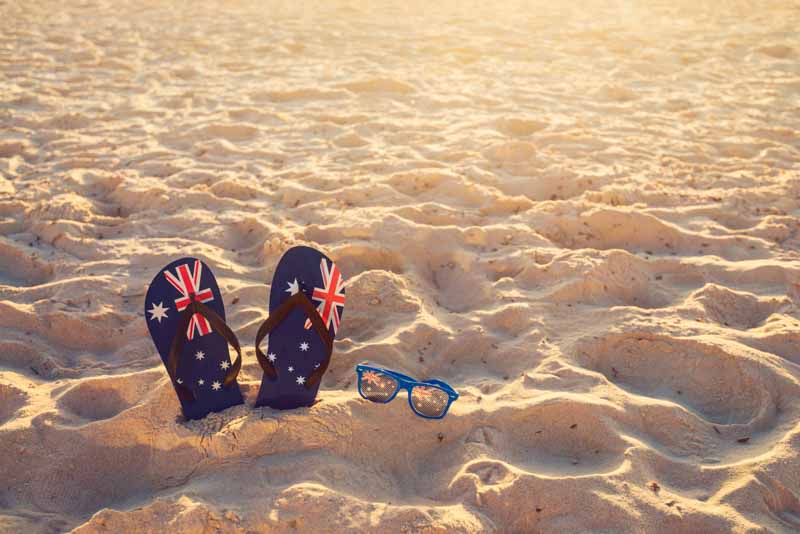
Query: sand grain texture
{"points": [[583, 217]]}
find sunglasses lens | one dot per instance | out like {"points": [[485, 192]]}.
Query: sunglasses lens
{"points": [[429, 401], [376, 386]]}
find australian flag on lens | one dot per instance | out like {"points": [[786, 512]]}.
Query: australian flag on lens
{"points": [[204, 360]]}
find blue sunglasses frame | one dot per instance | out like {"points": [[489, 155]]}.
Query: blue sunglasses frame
{"points": [[408, 383]]}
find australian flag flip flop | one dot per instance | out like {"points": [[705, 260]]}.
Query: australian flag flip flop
{"points": [[186, 319], [305, 308]]}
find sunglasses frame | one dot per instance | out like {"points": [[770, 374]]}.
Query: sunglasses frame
{"points": [[407, 383]]}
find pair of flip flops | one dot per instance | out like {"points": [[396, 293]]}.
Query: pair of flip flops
{"points": [[186, 319]]}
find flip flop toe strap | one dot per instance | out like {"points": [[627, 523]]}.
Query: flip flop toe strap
{"points": [[218, 325], [276, 317]]}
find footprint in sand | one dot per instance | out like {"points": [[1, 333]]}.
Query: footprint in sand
{"points": [[20, 265], [778, 51], [518, 127], [103, 398], [491, 472], [229, 132], [721, 387], [68, 121], [11, 400], [737, 309], [511, 152], [379, 85]]}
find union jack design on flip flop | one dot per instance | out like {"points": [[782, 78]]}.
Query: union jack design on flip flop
{"points": [[330, 296], [187, 285]]}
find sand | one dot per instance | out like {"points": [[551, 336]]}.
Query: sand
{"points": [[582, 216]]}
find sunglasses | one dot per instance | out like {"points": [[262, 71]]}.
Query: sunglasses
{"points": [[429, 399]]}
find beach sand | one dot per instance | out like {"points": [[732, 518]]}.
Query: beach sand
{"points": [[583, 217]]}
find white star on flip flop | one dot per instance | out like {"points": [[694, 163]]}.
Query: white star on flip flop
{"points": [[301, 380], [200, 355], [201, 382], [224, 365], [215, 386], [304, 346], [179, 381], [159, 312], [291, 369], [294, 288], [316, 366], [271, 357]]}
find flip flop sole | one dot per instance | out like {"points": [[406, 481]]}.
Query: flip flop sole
{"points": [[294, 347], [204, 358]]}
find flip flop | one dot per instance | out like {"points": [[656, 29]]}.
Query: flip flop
{"points": [[305, 308], [186, 319]]}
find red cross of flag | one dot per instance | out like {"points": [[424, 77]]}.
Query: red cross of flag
{"points": [[330, 296], [187, 283]]}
